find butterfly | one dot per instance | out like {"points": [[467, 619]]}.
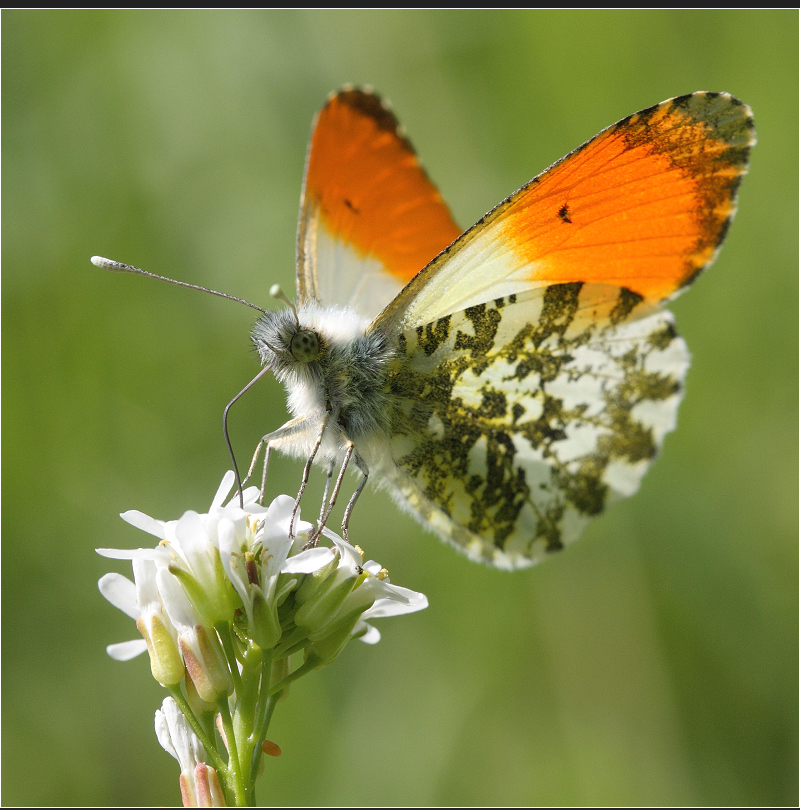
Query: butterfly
{"points": [[505, 383]]}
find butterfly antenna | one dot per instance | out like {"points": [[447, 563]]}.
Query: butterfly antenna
{"points": [[225, 429], [277, 292], [119, 267]]}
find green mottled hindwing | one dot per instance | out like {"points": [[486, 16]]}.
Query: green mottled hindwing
{"points": [[515, 421]]}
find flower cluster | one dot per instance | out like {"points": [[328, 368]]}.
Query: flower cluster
{"points": [[223, 602]]}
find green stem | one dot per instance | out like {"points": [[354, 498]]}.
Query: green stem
{"points": [[234, 769], [245, 713], [305, 668], [266, 706]]}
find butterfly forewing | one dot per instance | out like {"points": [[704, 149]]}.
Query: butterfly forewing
{"points": [[643, 205], [517, 420], [370, 218]]}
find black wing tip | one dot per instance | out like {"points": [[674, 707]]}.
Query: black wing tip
{"points": [[365, 99]]}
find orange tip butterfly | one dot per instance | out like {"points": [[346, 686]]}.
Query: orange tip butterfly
{"points": [[505, 383]]}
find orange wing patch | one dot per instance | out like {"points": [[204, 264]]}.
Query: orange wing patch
{"points": [[370, 190], [644, 205]]}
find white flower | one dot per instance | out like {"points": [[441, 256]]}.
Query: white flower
{"points": [[204, 569], [222, 602], [391, 600], [254, 556], [209, 569]]}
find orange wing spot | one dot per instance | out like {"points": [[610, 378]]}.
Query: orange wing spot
{"points": [[644, 205], [370, 188]]}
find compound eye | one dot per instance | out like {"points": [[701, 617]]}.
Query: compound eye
{"points": [[305, 346]]}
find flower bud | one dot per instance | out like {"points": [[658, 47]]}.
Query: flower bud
{"points": [[166, 663], [205, 664], [312, 582], [266, 630], [324, 652], [196, 703], [322, 605], [209, 790]]}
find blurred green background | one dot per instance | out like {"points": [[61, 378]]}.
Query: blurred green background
{"points": [[653, 662]]}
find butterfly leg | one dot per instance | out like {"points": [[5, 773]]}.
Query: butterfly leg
{"points": [[264, 474], [332, 502], [293, 428], [268, 449], [349, 510], [327, 489], [306, 471], [260, 444]]}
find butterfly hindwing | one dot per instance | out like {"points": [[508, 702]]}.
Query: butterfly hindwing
{"points": [[370, 218], [517, 420]]}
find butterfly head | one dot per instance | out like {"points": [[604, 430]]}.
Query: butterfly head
{"points": [[287, 344]]}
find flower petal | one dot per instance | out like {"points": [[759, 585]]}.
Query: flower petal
{"points": [[191, 533], [128, 553], [372, 636], [176, 737], [396, 602], [178, 607], [280, 513], [126, 650], [223, 489], [121, 592], [350, 557], [144, 522], [230, 555], [308, 561]]}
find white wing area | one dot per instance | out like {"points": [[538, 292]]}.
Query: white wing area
{"points": [[520, 419], [475, 270], [350, 280]]}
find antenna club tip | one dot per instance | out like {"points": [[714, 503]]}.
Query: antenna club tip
{"points": [[110, 264], [276, 292]]}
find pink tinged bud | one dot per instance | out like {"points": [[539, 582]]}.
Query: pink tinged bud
{"points": [[209, 790], [196, 703], [165, 659], [201, 787], [206, 665], [221, 729], [188, 794]]}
